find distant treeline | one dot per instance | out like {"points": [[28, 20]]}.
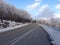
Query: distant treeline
{"points": [[9, 12]]}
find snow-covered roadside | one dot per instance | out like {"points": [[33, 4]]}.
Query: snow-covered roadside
{"points": [[10, 28], [55, 28], [54, 34]]}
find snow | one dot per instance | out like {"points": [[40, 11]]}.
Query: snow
{"points": [[54, 34], [11, 28], [12, 25]]}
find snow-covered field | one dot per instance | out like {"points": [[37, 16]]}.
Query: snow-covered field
{"points": [[54, 34]]}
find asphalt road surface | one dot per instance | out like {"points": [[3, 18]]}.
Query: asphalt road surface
{"points": [[32, 34]]}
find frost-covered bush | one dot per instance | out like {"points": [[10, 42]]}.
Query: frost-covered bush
{"points": [[9, 12]]}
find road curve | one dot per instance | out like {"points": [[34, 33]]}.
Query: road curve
{"points": [[32, 34]]}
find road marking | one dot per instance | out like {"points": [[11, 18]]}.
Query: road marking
{"points": [[20, 37]]}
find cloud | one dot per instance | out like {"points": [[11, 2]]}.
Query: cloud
{"points": [[57, 6], [33, 6], [45, 12], [56, 15], [43, 7], [37, 0]]}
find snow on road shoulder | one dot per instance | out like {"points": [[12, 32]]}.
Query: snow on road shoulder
{"points": [[11, 28], [54, 34]]}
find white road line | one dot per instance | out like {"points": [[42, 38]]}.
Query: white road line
{"points": [[20, 37]]}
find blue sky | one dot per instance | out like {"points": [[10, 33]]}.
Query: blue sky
{"points": [[34, 7]]}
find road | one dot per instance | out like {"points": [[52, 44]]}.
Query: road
{"points": [[32, 34]]}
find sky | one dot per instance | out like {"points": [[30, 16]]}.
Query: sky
{"points": [[35, 7]]}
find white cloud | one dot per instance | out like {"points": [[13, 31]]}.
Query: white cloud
{"points": [[43, 7], [33, 6], [58, 6], [56, 15], [37, 0], [45, 12]]}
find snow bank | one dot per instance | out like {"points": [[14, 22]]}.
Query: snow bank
{"points": [[11, 28], [54, 34], [9, 23]]}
